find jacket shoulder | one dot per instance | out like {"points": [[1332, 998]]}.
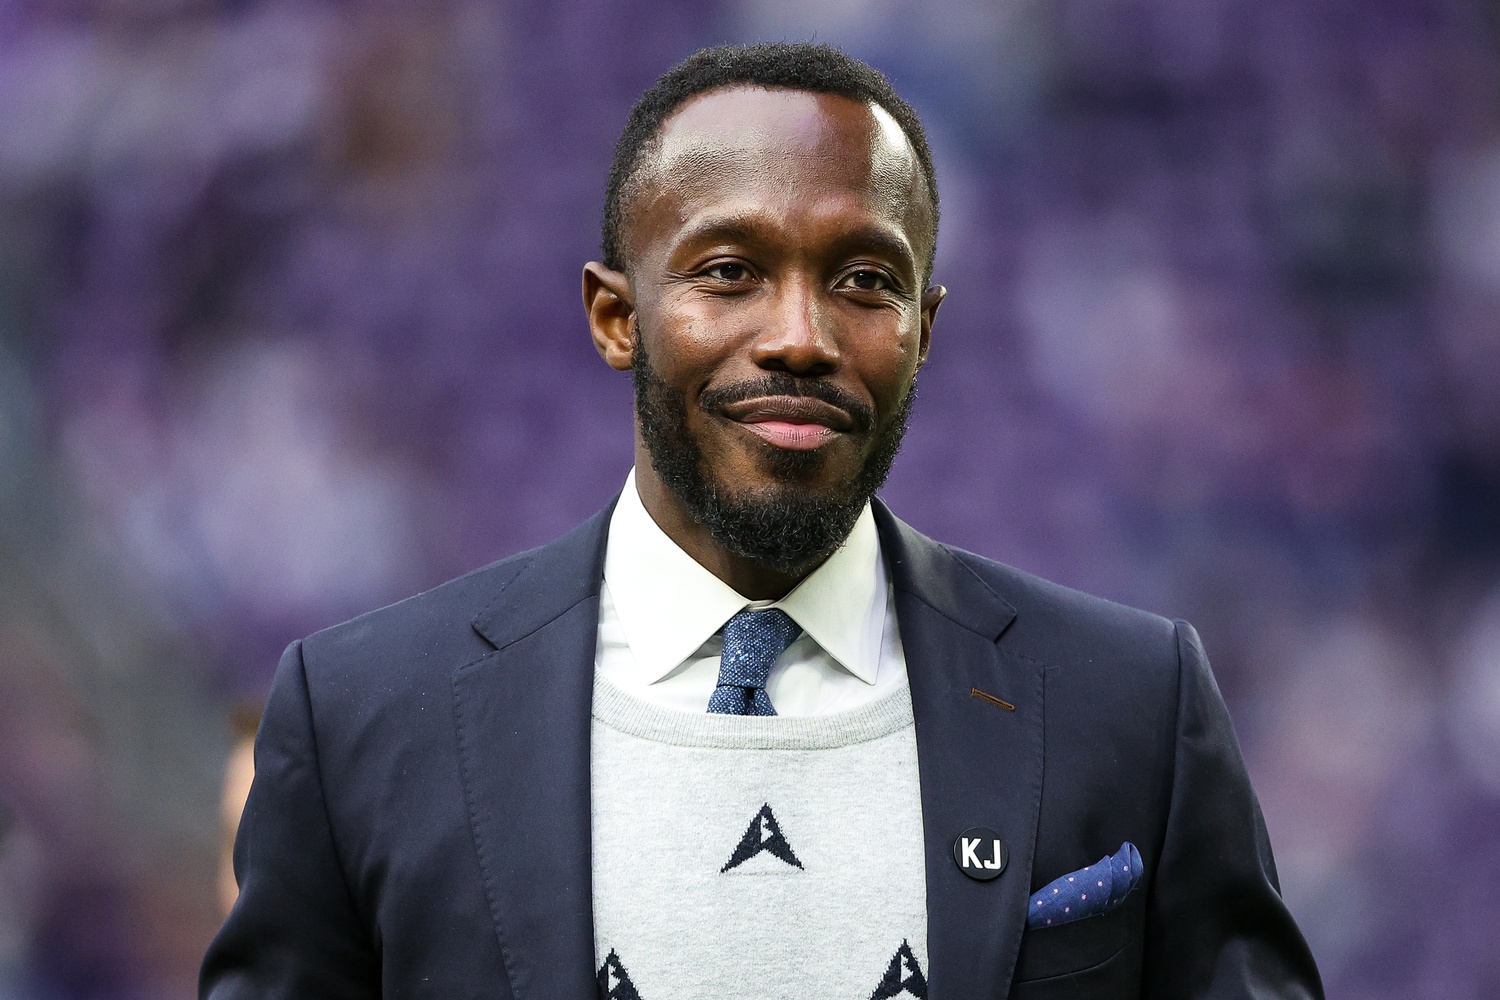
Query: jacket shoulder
{"points": [[433, 626], [460, 620], [1065, 626]]}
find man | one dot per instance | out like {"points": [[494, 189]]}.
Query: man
{"points": [[745, 733]]}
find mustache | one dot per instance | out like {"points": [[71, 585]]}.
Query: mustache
{"points": [[783, 384]]}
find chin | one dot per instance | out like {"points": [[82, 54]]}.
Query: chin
{"points": [[823, 469]]}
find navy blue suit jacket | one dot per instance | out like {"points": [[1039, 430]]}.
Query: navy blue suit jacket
{"points": [[419, 820]]}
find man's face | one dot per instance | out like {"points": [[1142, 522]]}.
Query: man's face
{"points": [[777, 245]]}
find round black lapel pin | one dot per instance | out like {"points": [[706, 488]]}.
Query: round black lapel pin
{"points": [[980, 854]]}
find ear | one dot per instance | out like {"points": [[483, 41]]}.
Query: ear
{"points": [[931, 299], [609, 305]]}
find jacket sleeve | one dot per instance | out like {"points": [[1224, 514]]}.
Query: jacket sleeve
{"points": [[1216, 923], [294, 931]]}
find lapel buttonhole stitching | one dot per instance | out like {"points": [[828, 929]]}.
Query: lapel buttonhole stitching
{"points": [[974, 692]]}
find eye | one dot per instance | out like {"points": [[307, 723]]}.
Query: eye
{"points": [[867, 280], [728, 271]]}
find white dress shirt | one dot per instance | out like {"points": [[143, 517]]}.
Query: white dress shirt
{"points": [[660, 613]]}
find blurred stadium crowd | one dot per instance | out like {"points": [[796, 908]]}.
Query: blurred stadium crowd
{"points": [[289, 328]]}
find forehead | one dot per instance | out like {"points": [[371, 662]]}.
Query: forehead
{"points": [[749, 146]]}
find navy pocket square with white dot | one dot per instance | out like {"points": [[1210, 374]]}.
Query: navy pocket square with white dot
{"points": [[1087, 892]]}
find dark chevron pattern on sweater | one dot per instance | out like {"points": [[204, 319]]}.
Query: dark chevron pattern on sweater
{"points": [[614, 981], [762, 835], [903, 977]]}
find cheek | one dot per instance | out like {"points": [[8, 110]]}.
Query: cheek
{"points": [[685, 358], [693, 344], [887, 360]]}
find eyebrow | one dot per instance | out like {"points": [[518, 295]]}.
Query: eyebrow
{"points": [[744, 228], [884, 243], [728, 228]]}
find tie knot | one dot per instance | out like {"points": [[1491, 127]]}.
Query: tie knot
{"points": [[752, 642], [755, 639]]}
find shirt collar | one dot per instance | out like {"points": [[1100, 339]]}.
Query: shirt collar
{"points": [[669, 605]]}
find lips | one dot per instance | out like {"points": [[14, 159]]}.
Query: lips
{"points": [[796, 423]]}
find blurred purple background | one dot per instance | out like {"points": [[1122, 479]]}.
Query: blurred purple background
{"points": [[290, 327]]}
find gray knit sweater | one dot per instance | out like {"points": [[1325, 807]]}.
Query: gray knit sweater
{"points": [[740, 856]]}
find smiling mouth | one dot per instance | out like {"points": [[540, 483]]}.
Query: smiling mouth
{"points": [[796, 423]]}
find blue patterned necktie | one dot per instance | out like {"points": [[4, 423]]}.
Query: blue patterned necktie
{"points": [[752, 642]]}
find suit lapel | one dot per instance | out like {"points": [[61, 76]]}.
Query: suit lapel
{"points": [[979, 764], [522, 717]]}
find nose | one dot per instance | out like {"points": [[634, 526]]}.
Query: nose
{"points": [[799, 335]]}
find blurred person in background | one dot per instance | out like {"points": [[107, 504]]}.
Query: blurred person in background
{"points": [[745, 732]]}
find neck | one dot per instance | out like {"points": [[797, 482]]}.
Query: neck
{"points": [[747, 578]]}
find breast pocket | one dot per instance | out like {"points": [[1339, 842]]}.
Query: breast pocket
{"points": [[1095, 956]]}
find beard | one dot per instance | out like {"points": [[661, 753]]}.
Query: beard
{"points": [[788, 527]]}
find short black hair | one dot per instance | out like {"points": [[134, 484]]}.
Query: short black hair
{"points": [[818, 69]]}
